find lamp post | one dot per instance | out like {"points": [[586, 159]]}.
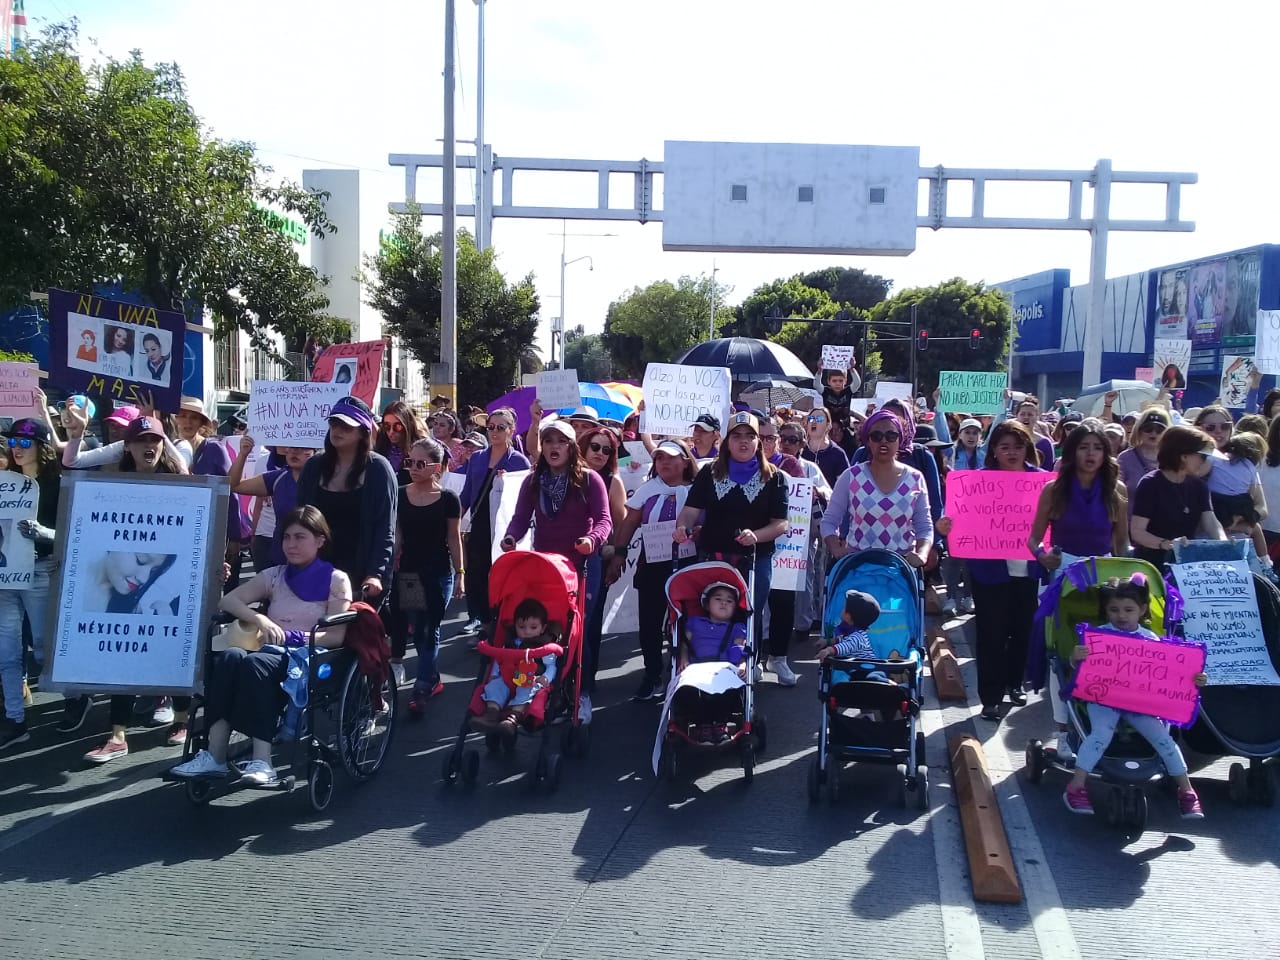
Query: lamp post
{"points": [[449, 253], [483, 240]]}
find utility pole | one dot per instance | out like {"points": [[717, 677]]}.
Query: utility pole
{"points": [[912, 346], [711, 324], [449, 243], [483, 240]]}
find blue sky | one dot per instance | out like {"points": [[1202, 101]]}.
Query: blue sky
{"points": [[982, 84]]}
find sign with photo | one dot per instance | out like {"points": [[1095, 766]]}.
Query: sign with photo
{"points": [[1236, 373], [140, 577], [19, 500], [118, 351], [356, 366], [18, 385], [1171, 358]]}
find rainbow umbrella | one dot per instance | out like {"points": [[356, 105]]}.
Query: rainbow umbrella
{"points": [[629, 390], [608, 403]]}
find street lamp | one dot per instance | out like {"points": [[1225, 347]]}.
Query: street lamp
{"points": [[558, 334]]}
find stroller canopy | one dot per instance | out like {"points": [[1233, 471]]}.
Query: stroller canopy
{"points": [[546, 577], [888, 578], [684, 589]]}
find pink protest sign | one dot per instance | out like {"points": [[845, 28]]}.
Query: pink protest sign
{"points": [[991, 512], [1155, 677], [357, 364]]}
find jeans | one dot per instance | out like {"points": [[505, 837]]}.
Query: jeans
{"points": [[953, 569], [426, 628], [13, 604], [1102, 727], [1004, 612], [593, 622]]}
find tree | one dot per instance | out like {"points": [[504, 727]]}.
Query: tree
{"points": [[659, 323], [951, 309], [110, 178], [849, 286], [497, 321], [588, 354]]}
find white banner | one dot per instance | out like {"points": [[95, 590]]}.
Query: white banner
{"points": [[287, 413], [791, 550], [19, 500], [634, 466], [1266, 352], [835, 357], [1222, 613], [888, 390], [502, 507], [558, 390], [676, 395], [621, 606]]}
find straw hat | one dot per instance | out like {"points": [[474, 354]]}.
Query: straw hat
{"points": [[237, 633]]}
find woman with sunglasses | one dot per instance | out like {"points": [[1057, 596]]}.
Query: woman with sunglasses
{"points": [[30, 448], [742, 498], [831, 460], [1139, 458], [482, 469], [399, 430], [913, 455], [1172, 502], [598, 448]]}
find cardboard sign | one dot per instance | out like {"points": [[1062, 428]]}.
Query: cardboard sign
{"points": [[19, 500], [18, 385], [991, 512], [290, 413], [112, 350], [1236, 372], [658, 540], [676, 395], [1171, 358], [140, 576], [502, 507], [969, 392], [888, 390], [791, 550], [1129, 673], [1221, 613], [367, 357], [559, 390], [1266, 351], [1145, 375], [835, 357]]}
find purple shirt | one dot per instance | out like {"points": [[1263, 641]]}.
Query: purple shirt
{"points": [[585, 513], [706, 638], [832, 461]]}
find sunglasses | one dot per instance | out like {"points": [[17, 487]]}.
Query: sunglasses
{"points": [[418, 464], [388, 426], [1156, 427], [497, 427], [788, 438], [769, 436], [884, 436], [817, 419], [23, 442], [599, 448]]}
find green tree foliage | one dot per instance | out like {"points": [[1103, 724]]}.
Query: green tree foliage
{"points": [[588, 354], [109, 177], [950, 309], [15, 356], [497, 320], [659, 323]]}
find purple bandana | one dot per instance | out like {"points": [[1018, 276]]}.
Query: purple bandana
{"points": [[312, 582], [742, 472]]}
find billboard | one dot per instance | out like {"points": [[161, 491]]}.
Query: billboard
{"points": [[1037, 309], [1210, 302]]}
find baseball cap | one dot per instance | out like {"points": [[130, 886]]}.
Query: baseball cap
{"points": [[123, 416], [718, 585], [477, 440], [352, 412], [671, 449], [31, 430], [969, 422], [743, 420], [708, 422], [143, 427], [559, 426]]}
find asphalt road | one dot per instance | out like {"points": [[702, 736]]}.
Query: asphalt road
{"points": [[111, 862]]}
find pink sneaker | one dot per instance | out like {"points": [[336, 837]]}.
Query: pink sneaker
{"points": [[1077, 801], [107, 752], [1189, 805]]}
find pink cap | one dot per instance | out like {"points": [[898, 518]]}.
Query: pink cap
{"points": [[123, 416]]}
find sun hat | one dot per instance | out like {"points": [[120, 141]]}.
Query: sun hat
{"points": [[143, 427], [352, 412], [562, 427], [194, 405], [927, 437], [720, 584], [586, 413]]}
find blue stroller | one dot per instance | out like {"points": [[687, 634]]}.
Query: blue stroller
{"points": [[885, 728]]}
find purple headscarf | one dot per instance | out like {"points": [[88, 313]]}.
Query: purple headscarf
{"points": [[881, 416], [907, 420]]}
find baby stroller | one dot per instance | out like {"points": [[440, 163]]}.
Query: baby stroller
{"points": [[1129, 763], [553, 581], [1241, 721], [696, 718], [886, 728]]}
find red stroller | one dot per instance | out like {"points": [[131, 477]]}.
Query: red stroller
{"points": [[553, 581]]}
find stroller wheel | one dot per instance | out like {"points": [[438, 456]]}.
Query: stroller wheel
{"points": [[906, 782], [1237, 783], [554, 763], [668, 767], [922, 787], [833, 780], [920, 747], [1262, 785], [748, 765], [539, 771], [1114, 814], [449, 769], [760, 730], [470, 766], [1035, 761], [815, 781], [1135, 809], [492, 742]]}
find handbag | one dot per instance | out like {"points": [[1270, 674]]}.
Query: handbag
{"points": [[411, 593]]}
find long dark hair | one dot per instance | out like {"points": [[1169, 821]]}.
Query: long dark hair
{"points": [[1021, 433], [1060, 488], [165, 464], [329, 460], [413, 428], [1273, 443], [575, 468], [129, 603]]}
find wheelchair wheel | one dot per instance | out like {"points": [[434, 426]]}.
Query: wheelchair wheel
{"points": [[363, 734], [320, 785], [199, 791]]}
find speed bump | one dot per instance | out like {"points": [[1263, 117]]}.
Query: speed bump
{"points": [[947, 680], [991, 869]]}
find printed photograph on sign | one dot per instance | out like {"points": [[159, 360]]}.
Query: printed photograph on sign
{"points": [[344, 371], [355, 366], [119, 582], [1171, 358], [1171, 304], [155, 354], [19, 500]]}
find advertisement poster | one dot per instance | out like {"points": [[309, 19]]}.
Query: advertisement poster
{"points": [[1208, 301], [19, 500], [1170, 360], [139, 580], [1240, 307], [1171, 304], [358, 366], [112, 350], [1236, 372]]}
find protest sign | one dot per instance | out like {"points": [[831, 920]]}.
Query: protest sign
{"points": [[1266, 351], [836, 357], [112, 350], [1236, 372], [502, 507], [969, 392], [889, 390], [791, 550], [633, 465], [991, 512], [291, 413], [1130, 673], [1145, 375], [1221, 613], [559, 390], [1170, 360], [658, 540], [676, 395], [367, 375], [621, 605], [140, 577], [19, 500], [18, 385]]}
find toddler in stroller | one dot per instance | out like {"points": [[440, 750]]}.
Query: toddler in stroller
{"points": [[717, 637], [513, 684], [853, 642]]}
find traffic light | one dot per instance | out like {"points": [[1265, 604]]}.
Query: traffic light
{"points": [[774, 324], [922, 341], [975, 337]]}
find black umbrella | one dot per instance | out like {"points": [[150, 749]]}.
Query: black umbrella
{"points": [[767, 394], [749, 359]]}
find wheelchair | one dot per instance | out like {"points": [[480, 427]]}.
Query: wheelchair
{"points": [[338, 728]]}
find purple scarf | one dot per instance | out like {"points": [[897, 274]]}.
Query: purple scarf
{"points": [[740, 472], [312, 582]]}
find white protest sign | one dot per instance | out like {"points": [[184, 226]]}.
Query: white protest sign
{"points": [[1266, 351], [18, 385], [621, 606], [634, 468], [19, 500], [558, 390], [292, 413], [888, 390], [657, 540], [1171, 353], [1222, 613], [791, 550], [676, 395], [455, 482], [502, 507], [836, 357]]}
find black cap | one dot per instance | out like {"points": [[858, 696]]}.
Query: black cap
{"points": [[708, 422], [863, 609], [30, 430]]}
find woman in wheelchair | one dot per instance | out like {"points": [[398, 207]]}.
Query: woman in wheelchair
{"points": [[243, 690]]}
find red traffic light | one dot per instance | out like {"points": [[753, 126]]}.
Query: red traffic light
{"points": [[923, 340], [975, 337]]}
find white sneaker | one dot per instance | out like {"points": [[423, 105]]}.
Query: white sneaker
{"points": [[759, 673], [780, 668], [258, 772], [164, 712], [397, 671], [948, 607], [201, 765], [966, 604], [584, 709]]}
